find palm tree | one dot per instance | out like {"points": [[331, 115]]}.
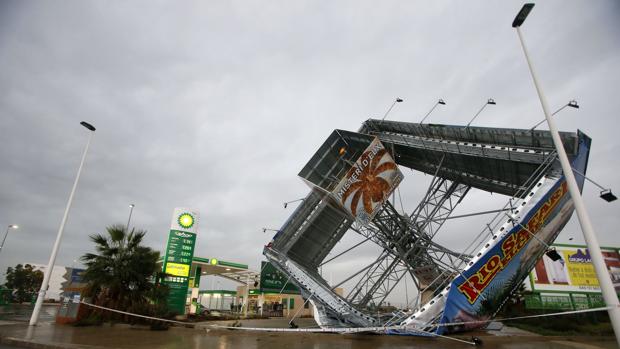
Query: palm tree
{"points": [[121, 272]]}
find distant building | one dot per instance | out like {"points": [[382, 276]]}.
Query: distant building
{"points": [[273, 295], [272, 303], [56, 280]]}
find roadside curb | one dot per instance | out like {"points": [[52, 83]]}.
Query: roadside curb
{"points": [[24, 343]]}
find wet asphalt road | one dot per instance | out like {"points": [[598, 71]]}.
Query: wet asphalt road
{"points": [[14, 324]]}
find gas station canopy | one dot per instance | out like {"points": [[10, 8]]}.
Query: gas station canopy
{"points": [[233, 271]]}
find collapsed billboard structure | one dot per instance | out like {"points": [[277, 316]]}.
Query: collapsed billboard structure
{"points": [[352, 176]]}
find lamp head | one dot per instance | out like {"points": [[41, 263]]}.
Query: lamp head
{"points": [[398, 100], [573, 104], [132, 205], [285, 204], [14, 226], [522, 15], [88, 126], [608, 196], [553, 254], [491, 101], [441, 101]]}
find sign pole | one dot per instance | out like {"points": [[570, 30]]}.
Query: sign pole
{"points": [[179, 256]]}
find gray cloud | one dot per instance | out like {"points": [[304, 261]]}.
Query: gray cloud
{"points": [[217, 105]]}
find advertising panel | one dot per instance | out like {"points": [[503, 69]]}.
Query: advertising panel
{"points": [[272, 280], [480, 290], [178, 257], [369, 183], [574, 271]]}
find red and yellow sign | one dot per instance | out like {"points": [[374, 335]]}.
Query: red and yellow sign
{"points": [[512, 244]]}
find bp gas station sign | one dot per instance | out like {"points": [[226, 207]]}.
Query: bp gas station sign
{"points": [[178, 257]]}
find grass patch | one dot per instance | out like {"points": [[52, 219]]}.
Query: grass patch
{"points": [[590, 324]]}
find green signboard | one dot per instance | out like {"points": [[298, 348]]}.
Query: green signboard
{"points": [[563, 301], [272, 280], [178, 258]]}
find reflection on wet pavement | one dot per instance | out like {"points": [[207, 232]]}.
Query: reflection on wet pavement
{"points": [[125, 336], [22, 312]]}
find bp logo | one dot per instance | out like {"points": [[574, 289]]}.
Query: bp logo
{"points": [[186, 220]]}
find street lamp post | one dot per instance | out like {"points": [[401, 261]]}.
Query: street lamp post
{"points": [[50, 265], [131, 206], [302, 199], [397, 100], [11, 226], [572, 103], [607, 288], [490, 101], [440, 101], [605, 194]]}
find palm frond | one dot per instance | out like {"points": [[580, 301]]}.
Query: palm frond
{"points": [[117, 233], [120, 272]]}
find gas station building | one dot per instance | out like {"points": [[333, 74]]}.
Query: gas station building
{"points": [[268, 292]]}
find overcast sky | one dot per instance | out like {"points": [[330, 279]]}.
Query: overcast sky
{"points": [[217, 105]]}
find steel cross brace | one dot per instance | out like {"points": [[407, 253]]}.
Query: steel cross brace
{"points": [[409, 243]]}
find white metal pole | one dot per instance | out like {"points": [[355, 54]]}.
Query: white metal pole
{"points": [[247, 296], [478, 113], [5, 235], [129, 219], [397, 100], [607, 287], [50, 265], [429, 113], [388, 111]]}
